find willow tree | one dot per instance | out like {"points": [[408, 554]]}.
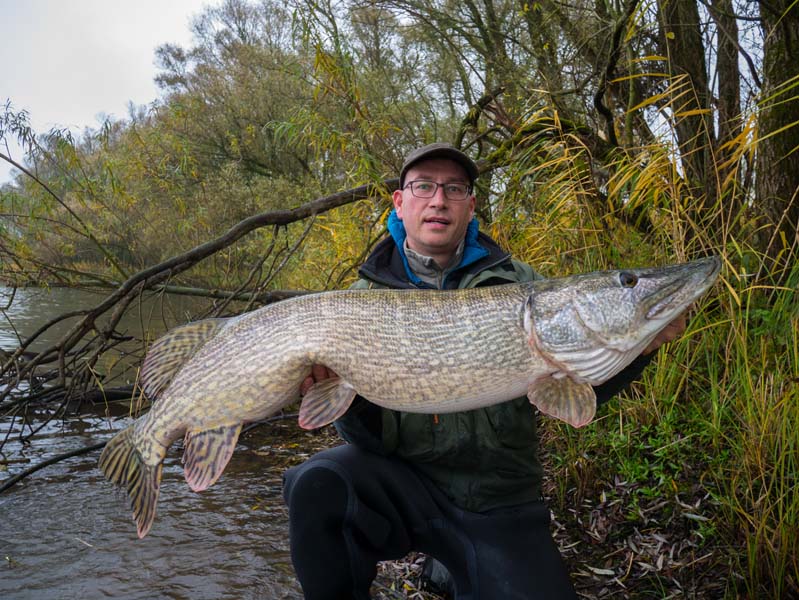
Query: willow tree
{"points": [[243, 71], [623, 78]]}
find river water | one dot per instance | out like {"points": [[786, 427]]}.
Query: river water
{"points": [[66, 533]]}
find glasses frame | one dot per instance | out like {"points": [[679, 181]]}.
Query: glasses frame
{"points": [[437, 185]]}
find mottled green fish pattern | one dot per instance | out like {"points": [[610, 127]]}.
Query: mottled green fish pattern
{"points": [[420, 351]]}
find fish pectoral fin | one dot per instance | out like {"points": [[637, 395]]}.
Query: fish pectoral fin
{"points": [[206, 454], [173, 350], [564, 399], [325, 402]]}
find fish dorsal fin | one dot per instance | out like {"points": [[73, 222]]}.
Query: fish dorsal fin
{"points": [[325, 402], [564, 399], [206, 454], [172, 350]]}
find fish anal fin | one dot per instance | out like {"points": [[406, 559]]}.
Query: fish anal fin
{"points": [[206, 454], [122, 464], [564, 399], [325, 402], [172, 350]]}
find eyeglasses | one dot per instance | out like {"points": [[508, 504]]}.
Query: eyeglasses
{"points": [[422, 188]]}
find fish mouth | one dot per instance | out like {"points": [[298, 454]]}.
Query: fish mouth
{"points": [[664, 298], [690, 281]]}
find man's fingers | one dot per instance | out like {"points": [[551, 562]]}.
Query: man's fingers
{"points": [[669, 333], [318, 373], [306, 385]]}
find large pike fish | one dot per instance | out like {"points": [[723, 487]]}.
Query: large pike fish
{"points": [[409, 350]]}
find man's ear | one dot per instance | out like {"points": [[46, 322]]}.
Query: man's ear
{"points": [[397, 197]]}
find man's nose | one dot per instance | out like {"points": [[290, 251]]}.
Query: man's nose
{"points": [[438, 197]]}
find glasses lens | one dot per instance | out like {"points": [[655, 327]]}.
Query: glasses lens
{"points": [[456, 191], [424, 189], [427, 189]]}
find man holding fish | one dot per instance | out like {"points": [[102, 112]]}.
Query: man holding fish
{"points": [[462, 487]]}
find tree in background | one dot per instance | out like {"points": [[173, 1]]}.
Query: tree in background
{"points": [[609, 132], [276, 104], [777, 167]]}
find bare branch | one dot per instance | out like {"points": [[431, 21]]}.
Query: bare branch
{"points": [[610, 67]]}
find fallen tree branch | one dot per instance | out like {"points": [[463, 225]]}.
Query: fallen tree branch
{"points": [[260, 297], [11, 481], [153, 276]]}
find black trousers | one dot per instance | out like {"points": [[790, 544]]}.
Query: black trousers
{"points": [[350, 509]]}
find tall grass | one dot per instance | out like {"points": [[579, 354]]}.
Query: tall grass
{"points": [[731, 385], [716, 417], [757, 408]]}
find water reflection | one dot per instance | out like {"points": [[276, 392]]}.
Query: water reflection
{"points": [[32, 307]]}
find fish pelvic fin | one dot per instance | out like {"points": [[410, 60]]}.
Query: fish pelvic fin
{"points": [[564, 399], [122, 463], [172, 350], [325, 402], [206, 454]]}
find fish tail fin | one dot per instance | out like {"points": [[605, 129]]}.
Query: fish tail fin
{"points": [[122, 464]]}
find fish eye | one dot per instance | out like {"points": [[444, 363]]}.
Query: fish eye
{"points": [[628, 280]]}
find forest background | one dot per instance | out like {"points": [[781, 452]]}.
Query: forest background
{"points": [[608, 133]]}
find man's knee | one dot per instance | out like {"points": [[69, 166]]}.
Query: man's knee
{"points": [[313, 487], [341, 489], [337, 467]]}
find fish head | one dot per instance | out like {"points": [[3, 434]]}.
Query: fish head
{"points": [[591, 326]]}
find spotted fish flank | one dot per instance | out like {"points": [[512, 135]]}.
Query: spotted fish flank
{"points": [[409, 350]]}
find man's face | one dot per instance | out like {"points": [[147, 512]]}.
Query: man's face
{"points": [[435, 226]]}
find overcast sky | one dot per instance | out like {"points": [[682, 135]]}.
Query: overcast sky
{"points": [[69, 61]]}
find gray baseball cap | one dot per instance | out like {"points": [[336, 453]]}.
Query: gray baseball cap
{"points": [[439, 150]]}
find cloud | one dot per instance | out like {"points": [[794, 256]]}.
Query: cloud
{"points": [[67, 63]]}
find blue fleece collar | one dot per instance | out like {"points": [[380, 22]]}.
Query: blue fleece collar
{"points": [[472, 250]]}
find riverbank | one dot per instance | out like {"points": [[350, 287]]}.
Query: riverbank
{"points": [[617, 540]]}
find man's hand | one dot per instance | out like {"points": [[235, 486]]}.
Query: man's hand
{"points": [[671, 332], [318, 373]]}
